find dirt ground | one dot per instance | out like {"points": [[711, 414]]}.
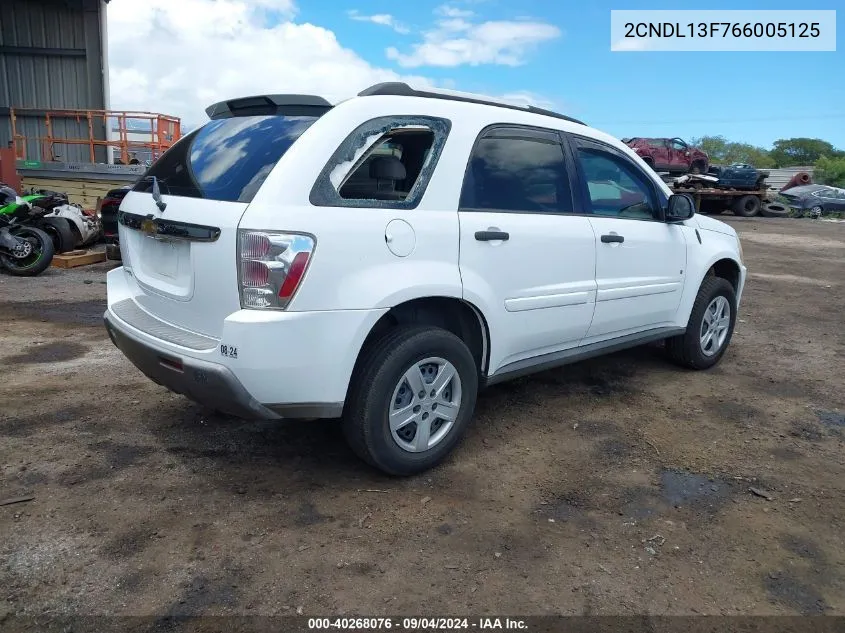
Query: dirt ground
{"points": [[621, 485]]}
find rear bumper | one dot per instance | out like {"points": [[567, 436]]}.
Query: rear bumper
{"points": [[209, 384], [285, 364]]}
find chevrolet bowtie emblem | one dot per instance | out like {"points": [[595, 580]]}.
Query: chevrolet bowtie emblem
{"points": [[149, 226]]}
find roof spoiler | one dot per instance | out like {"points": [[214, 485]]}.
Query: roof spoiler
{"points": [[264, 105]]}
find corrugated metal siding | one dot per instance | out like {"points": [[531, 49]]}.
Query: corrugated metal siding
{"points": [[779, 177], [70, 78]]}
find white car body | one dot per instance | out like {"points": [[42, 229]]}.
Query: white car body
{"points": [[554, 292]]}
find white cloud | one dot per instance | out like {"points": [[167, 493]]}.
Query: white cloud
{"points": [[179, 57], [524, 97], [384, 19], [628, 44], [451, 12], [456, 40]]}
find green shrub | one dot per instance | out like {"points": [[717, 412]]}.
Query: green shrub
{"points": [[830, 171]]}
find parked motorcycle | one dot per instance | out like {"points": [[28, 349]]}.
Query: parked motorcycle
{"points": [[67, 224], [85, 228], [25, 250], [33, 210]]}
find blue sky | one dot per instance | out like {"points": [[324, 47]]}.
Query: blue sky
{"points": [[750, 97]]}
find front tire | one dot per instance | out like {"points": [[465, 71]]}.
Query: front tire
{"points": [[710, 326], [113, 252], [411, 399]]}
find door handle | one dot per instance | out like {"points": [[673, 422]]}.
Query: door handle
{"points": [[609, 239], [490, 236]]}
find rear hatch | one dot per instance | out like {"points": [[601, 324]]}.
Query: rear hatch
{"points": [[181, 247]]}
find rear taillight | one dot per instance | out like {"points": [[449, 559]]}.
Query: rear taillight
{"points": [[271, 267]]}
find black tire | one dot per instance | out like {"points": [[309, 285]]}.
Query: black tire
{"points": [[113, 252], [59, 231], [30, 267], [747, 206], [685, 349], [774, 210], [650, 163], [696, 168], [378, 372]]}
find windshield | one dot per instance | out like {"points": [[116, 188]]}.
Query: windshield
{"points": [[226, 159]]}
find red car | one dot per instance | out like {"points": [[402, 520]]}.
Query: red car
{"points": [[670, 154]]}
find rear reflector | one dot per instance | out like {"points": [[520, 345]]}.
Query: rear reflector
{"points": [[171, 363], [294, 276]]}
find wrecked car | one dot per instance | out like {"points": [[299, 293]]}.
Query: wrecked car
{"points": [[815, 200], [670, 154]]}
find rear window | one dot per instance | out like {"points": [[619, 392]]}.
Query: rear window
{"points": [[226, 159]]}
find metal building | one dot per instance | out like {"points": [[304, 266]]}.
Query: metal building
{"points": [[53, 56]]}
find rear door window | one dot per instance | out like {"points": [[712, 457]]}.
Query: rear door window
{"points": [[519, 170], [226, 159]]}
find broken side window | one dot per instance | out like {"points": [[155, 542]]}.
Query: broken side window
{"points": [[386, 162]]}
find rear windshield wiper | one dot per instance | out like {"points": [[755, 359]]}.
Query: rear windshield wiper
{"points": [[156, 191]]}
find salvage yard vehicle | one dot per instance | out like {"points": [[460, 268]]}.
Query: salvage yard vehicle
{"points": [[25, 250], [738, 176], [670, 154], [740, 187], [84, 228], [815, 200], [383, 259], [107, 209], [33, 210]]}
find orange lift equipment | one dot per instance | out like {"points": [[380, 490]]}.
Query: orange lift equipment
{"points": [[147, 132]]}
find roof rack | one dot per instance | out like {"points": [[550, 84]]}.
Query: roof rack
{"points": [[401, 89], [290, 105]]}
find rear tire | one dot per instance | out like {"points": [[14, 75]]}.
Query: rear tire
{"points": [[59, 231], [747, 206], [377, 380], [113, 252], [688, 349]]}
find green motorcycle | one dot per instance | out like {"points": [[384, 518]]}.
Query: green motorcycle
{"points": [[25, 250], [34, 209]]}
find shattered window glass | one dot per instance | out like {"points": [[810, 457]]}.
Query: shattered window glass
{"points": [[386, 162]]}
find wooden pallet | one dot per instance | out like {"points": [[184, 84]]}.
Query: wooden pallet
{"points": [[72, 259]]}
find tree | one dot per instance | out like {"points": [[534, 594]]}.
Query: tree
{"points": [[726, 152], [789, 152], [715, 146], [830, 171]]}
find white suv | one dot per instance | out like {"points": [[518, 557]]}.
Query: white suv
{"points": [[382, 259]]}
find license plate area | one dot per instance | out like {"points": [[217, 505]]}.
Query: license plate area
{"points": [[164, 266], [165, 259]]}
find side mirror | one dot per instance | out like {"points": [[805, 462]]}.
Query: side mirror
{"points": [[681, 207]]}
